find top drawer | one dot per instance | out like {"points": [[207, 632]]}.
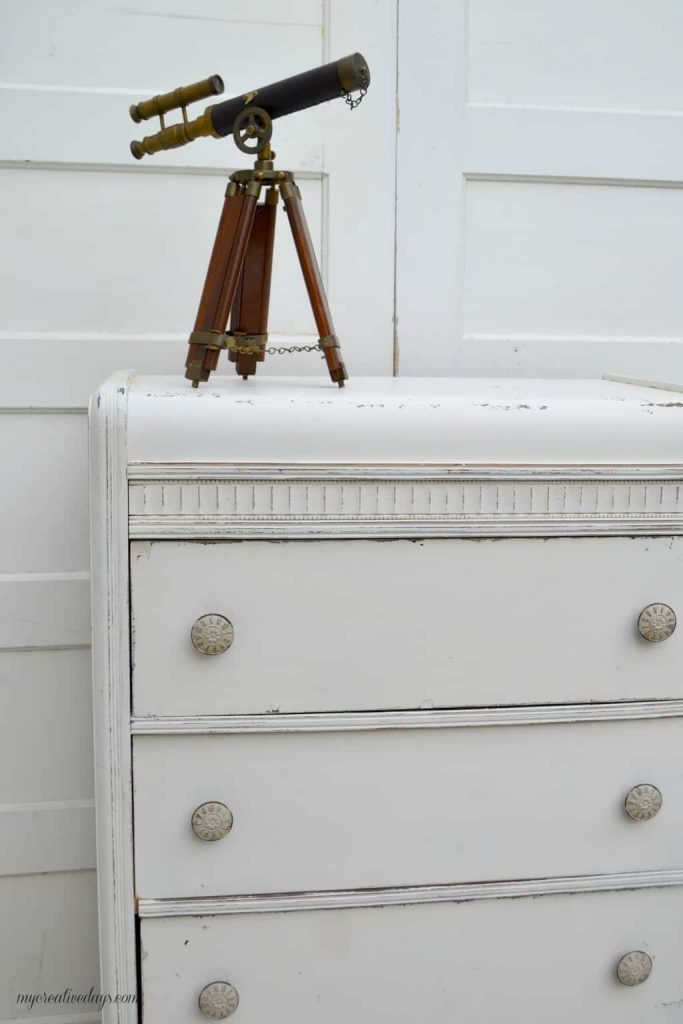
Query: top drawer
{"points": [[363, 624]]}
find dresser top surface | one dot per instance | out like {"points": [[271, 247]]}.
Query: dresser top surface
{"points": [[402, 420]]}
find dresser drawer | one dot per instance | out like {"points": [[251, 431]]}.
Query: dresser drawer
{"points": [[325, 625], [524, 961], [336, 810]]}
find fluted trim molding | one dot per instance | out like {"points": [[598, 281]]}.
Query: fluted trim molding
{"points": [[205, 501]]}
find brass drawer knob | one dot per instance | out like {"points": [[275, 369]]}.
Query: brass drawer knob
{"points": [[634, 968], [656, 623], [643, 802], [218, 1000], [212, 634], [212, 821]]}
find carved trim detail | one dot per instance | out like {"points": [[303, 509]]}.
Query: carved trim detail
{"points": [[502, 503]]}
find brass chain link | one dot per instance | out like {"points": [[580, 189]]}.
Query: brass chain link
{"points": [[282, 350]]}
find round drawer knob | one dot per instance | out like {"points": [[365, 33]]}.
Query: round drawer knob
{"points": [[634, 968], [643, 802], [212, 634], [212, 821], [656, 623], [218, 1000]]}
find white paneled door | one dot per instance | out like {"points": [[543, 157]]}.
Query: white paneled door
{"points": [[540, 210]]}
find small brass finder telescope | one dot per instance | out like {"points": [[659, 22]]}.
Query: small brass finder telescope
{"points": [[237, 282]]}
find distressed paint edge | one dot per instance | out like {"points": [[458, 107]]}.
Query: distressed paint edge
{"points": [[341, 721], [436, 471], [409, 895], [111, 692], [210, 528]]}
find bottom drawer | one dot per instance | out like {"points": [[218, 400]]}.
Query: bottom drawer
{"points": [[522, 961]]}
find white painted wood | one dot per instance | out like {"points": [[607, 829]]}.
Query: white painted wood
{"points": [[442, 806], [565, 165], [620, 58], [49, 836], [45, 497], [47, 924], [423, 718], [46, 755], [608, 243], [429, 963], [403, 421], [393, 631], [341, 899], [502, 504], [111, 690], [360, 191], [44, 610]]}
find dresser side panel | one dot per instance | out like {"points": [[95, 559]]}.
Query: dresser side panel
{"points": [[111, 682]]}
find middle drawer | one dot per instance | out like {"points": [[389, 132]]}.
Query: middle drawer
{"points": [[357, 809]]}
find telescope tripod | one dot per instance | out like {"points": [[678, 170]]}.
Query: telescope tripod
{"points": [[238, 279]]}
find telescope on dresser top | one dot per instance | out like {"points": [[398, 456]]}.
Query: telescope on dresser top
{"points": [[237, 284]]}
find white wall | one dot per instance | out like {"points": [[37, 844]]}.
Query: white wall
{"points": [[103, 260]]}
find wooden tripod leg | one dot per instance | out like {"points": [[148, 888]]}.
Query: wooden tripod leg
{"points": [[314, 285], [222, 278], [249, 318]]}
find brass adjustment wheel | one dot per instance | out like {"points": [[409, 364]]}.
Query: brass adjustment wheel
{"points": [[252, 130], [634, 968], [656, 623], [212, 634], [643, 802], [218, 1000]]}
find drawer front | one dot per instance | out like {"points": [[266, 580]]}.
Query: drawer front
{"points": [[357, 625], [316, 811], [526, 961]]}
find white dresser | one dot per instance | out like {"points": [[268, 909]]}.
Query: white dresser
{"points": [[389, 700]]}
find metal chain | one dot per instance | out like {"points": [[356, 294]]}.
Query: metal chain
{"points": [[281, 350], [348, 98]]}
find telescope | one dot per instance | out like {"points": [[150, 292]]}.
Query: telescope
{"points": [[237, 283], [248, 117]]}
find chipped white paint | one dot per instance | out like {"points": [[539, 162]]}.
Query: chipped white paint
{"points": [[524, 961], [425, 718], [340, 899]]}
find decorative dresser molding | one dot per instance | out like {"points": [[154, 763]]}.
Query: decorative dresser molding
{"points": [[457, 893], [111, 687], [403, 501], [542, 714]]}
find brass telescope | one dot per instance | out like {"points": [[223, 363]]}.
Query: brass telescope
{"points": [[339, 78], [237, 283]]}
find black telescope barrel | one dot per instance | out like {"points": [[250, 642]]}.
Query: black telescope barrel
{"points": [[296, 93]]}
